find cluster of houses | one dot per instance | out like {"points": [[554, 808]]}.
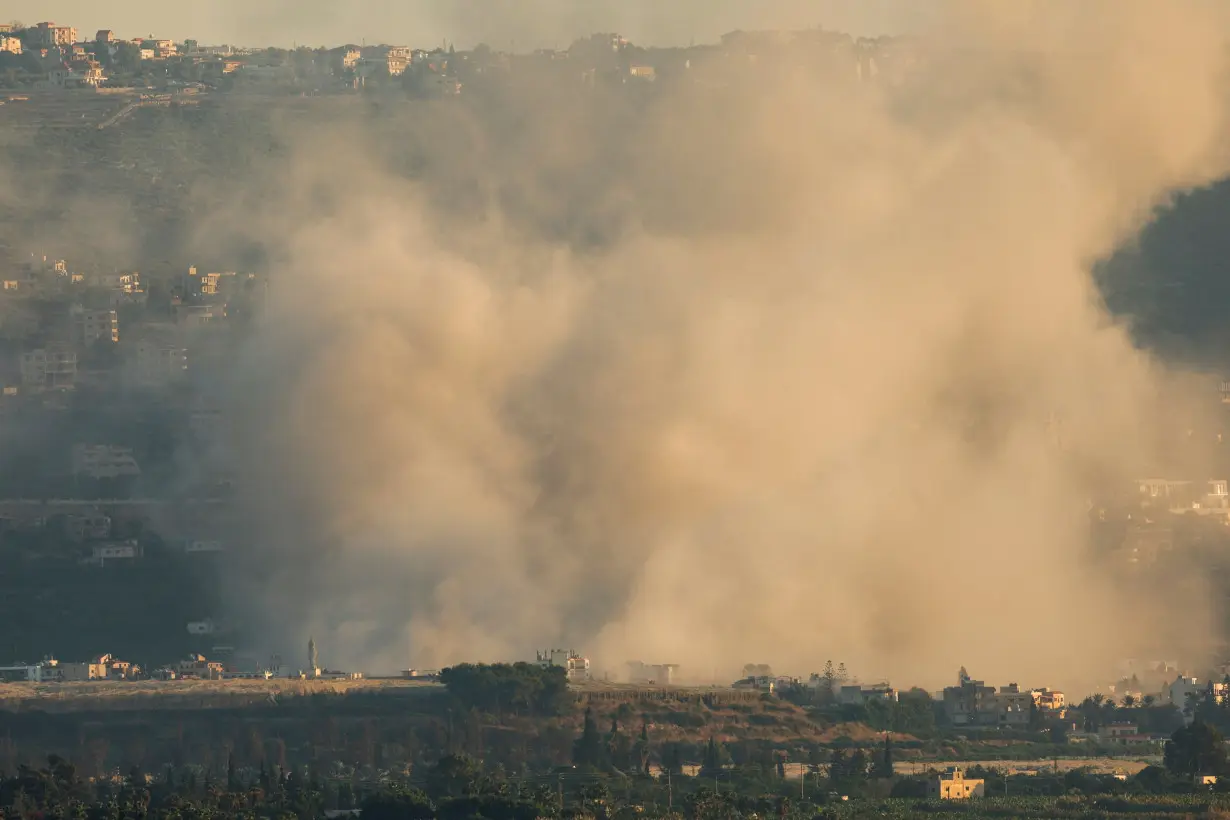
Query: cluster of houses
{"points": [[64, 332], [110, 668], [70, 61]]}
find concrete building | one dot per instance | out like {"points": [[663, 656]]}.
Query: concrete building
{"points": [[200, 315], [89, 670], [1184, 692], [114, 552], [104, 461], [658, 674], [10, 44], [1013, 706], [346, 59], [159, 362], [87, 527], [104, 36], [397, 60], [89, 326], [50, 368], [972, 703], [953, 785], [1048, 700], [859, 694], [49, 35], [574, 666], [197, 666]]}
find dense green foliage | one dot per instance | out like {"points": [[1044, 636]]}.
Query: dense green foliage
{"points": [[513, 688]]}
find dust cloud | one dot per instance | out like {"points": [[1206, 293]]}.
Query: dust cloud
{"points": [[770, 365]]}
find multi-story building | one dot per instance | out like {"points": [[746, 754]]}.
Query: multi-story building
{"points": [[200, 315], [397, 59], [49, 35], [104, 461], [104, 35], [1185, 692], [160, 362], [345, 59], [10, 44], [198, 667], [574, 666], [87, 527], [50, 368], [1048, 700], [89, 326], [1012, 706], [972, 703]]}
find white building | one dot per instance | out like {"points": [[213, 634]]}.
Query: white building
{"points": [[574, 666], [91, 325], [49, 35], [103, 461], [122, 551], [50, 368], [1185, 692]]}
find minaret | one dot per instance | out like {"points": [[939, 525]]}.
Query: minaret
{"points": [[313, 657]]}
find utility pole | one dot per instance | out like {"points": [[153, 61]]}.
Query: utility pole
{"points": [[802, 779], [561, 793], [670, 793]]}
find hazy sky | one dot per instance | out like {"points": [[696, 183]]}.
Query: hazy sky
{"points": [[528, 23]]}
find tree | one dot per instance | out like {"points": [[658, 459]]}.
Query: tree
{"points": [[587, 752], [672, 758], [403, 804], [882, 767], [1037, 721], [454, 775], [642, 747], [1195, 749], [828, 684], [711, 765], [519, 688], [618, 747], [232, 782]]}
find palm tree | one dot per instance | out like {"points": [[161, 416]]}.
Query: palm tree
{"points": [[1149, 700], [1129, 701]]}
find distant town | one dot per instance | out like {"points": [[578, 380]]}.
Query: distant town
{"points": [[46, 57]]}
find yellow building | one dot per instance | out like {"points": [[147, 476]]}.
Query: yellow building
{"points": [[952, 785]]}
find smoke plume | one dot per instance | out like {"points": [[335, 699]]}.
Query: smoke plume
{"points": [[771, 364]]}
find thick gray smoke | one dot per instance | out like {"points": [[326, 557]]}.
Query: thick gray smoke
{"points": [[792, 400]]}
